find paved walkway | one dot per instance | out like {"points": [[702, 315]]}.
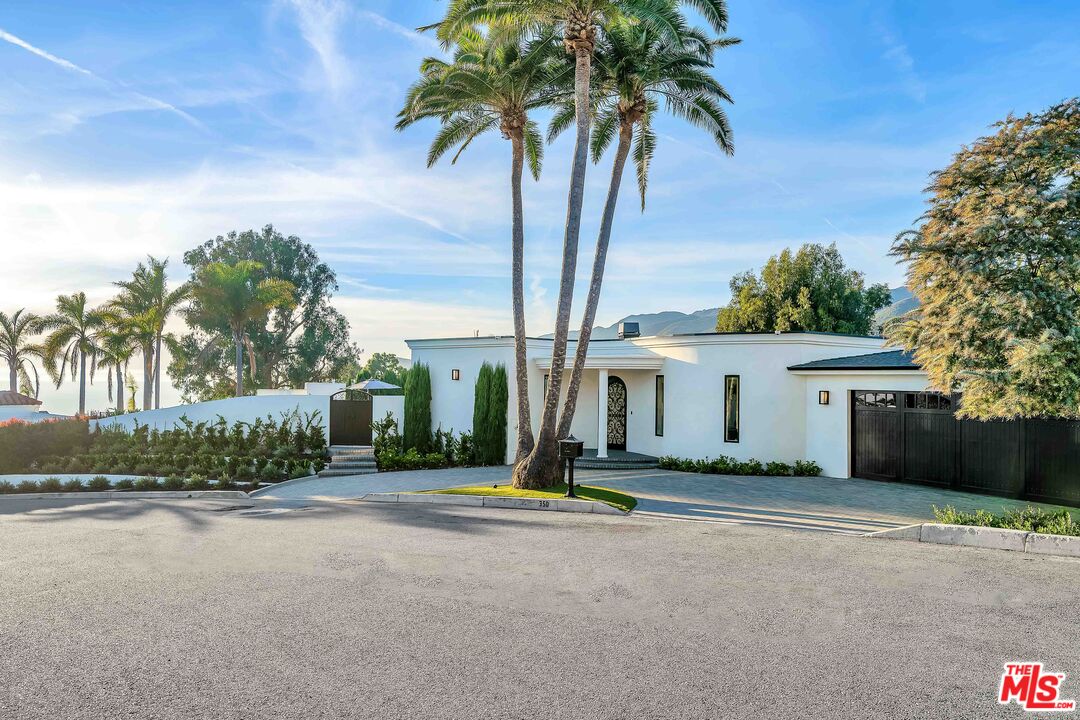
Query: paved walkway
{"points": [[852, 507]]}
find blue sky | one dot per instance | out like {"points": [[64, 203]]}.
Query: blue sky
{"points": [[129, 128]]}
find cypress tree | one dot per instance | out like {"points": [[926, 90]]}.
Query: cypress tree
{"points": [[417, 432], [481, 413], [500, 397]]}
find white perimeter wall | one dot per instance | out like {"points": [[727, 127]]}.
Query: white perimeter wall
{"points": [[828, 427]]}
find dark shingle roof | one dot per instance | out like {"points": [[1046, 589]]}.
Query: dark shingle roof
{"points": [[890, 360], [13, 398]]}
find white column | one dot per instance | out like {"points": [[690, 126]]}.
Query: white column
{"points": [[601, 413]]}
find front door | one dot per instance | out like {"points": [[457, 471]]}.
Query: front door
{"points": [[350, 420], [616, 413]]}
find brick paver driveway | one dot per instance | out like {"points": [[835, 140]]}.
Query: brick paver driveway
{"points": [[852, 507], [845, 506]]}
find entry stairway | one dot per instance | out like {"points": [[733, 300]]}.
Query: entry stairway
{"points": [[350, 460]]}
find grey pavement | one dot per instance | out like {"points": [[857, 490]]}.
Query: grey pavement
{"points": [[826, 504], [361, 610]]}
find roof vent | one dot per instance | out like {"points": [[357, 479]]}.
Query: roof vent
{"points": [[628, 330]]}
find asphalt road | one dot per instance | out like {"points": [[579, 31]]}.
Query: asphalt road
{"points": [[154, 609]]}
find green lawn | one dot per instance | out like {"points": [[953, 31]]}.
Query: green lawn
{"points": [[622, 501]]}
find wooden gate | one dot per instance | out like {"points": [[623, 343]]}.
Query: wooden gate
{"points": [[350, 418], [915, 437]]}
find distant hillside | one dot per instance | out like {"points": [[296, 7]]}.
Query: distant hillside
{"points": [[902, 301], [668, 322]]}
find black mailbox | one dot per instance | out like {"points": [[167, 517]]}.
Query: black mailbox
{"points": [[571, 448]]}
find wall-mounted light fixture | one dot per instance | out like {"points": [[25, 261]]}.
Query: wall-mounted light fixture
{"points": [[823, 397], [455, 374]]}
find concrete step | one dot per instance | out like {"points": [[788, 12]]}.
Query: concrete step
{"points": [[594, 464], [351, 450], [343, 472], [352, 466]]}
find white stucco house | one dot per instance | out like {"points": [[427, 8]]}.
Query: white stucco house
{"points": [[16, 406], [782, 397]]}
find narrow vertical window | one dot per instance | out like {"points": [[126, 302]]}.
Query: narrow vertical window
{"points": [[545, 390], [659, 405], [731, 408]]}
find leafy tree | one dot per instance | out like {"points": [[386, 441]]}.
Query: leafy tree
{"points": [[417, 432], [69, 344], [18, 351], [234, 295], [811, 290], [636, 68], [383, 366], [308, 340], [481, 423], [995, 266], [493, 83]]}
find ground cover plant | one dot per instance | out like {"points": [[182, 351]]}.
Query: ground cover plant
{"points": [[445, 448], [266, 450], [724, 465], [1030, 518]]}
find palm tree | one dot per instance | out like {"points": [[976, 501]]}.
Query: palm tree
{"points": [[638, 67], [147, 295], [70, 340], [17, 350], [579, 21], [233, 294], [493, 83], [116, 346], [134, 311]]}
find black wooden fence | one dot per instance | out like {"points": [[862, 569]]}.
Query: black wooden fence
{"points": [[914, 437]]}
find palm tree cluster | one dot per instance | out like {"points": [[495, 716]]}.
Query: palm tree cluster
{"points": [[78, 340], [619, 62]]}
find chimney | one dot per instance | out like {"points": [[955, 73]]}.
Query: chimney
{"points": [[628, 330]]}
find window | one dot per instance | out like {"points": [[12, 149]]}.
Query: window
{"points": [[879, 400], [545, 387], [659, 405], [928, 401], [731, 408]]}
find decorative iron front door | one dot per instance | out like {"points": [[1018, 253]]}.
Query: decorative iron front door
{"points": [[616, 413]]}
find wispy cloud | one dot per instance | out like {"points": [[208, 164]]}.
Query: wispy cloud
{"points": [[424, 41], [147, 100], [897, 54], [320, 23]]}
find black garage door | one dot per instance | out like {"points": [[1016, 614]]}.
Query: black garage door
{"points": [[915, 437]]}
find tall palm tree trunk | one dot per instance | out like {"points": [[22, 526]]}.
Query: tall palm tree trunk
{"points": [[82, 383], [148, 377], [541, 467], [157, 373], [239, 342], [119, 389], [13, 377], [521, 369], [626, 136]]}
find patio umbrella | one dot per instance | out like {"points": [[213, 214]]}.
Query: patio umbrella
{"points": [[373, 384]]}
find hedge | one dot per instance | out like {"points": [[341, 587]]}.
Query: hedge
{"points": [[725, 465]]}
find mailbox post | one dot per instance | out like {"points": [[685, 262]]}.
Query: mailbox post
{"points": [[570, 449]]}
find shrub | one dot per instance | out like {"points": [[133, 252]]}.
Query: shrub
{"points": [[724, 465], [197, 482], [271, 472], [98, 484], [73, 486], [300, 469], [23, 444], [50, 484], [6, 488], [125, 484], [147, 483], [1030, 518], [418, 408], [173, 482], [26, 486], [223, 484]]}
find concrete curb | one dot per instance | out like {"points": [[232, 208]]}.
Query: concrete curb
{"points": [[135, 495], [285, 483], [985, 537], [515, 503]]}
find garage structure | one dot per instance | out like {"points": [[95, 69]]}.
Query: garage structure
{"points": [[905, 434]]}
